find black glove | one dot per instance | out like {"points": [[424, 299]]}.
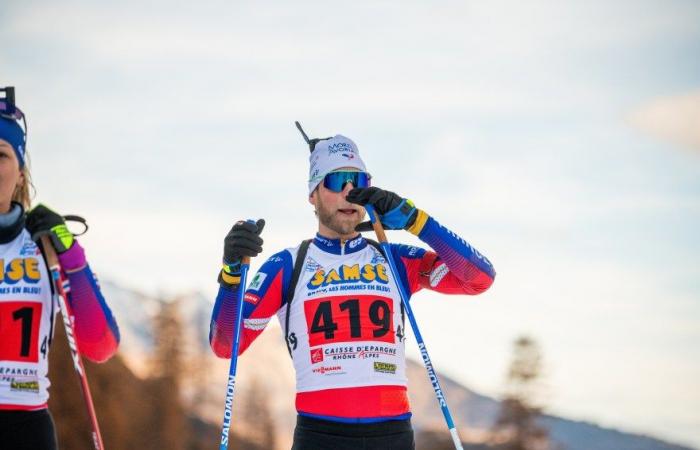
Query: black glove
{"points": [[395, 212], [41, 221], [243, 240]]}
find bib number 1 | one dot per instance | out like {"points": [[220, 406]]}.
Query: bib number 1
{"points": [[19, 330]]}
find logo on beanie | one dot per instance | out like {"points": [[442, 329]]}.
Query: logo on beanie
{"points": [[340, 147], [332, 154]]}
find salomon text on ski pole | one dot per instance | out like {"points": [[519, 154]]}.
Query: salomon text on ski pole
{"points": [[240, 271], [384, 243]]}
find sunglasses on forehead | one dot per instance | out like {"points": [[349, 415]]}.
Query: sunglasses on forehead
{"points": [[336, 181], [8, 109]]}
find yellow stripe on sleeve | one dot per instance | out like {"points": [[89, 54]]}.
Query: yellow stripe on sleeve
{"points": [[420, 222]]}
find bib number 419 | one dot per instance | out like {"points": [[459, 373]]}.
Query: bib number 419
{"points": [[349, 318]]}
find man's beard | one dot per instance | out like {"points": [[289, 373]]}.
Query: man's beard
{"points": [[332, 220]]}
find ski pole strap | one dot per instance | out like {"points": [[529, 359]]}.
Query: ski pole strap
{"points": [[79, 219]]}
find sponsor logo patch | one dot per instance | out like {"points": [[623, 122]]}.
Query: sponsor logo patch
{"points": [[344, 274], [438, 274], [257, 281], [383, 367], [256, 324], [251, 298], [339, 353], [316, 355], [311, 265], [355, 242], [340, 147], [18, 269], [331, 370], [378, 258], [24, 386], [29, 248], [324, 241]]}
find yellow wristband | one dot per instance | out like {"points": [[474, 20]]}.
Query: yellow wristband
{"points": [[230, 279], [420, 222]]}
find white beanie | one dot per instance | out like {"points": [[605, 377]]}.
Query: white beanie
{"points": [[332, 154]]}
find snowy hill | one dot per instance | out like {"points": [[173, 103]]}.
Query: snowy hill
{"points": [[267, 364]]}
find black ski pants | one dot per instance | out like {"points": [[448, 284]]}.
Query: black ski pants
{"points": [[27, 430], [316, 434]]}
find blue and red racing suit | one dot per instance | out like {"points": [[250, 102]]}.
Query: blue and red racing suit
{"points": [[346, 327]]}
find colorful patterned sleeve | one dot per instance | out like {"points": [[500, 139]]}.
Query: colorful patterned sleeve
{"points": [[95, 327], [262, 300], [455, 267]]}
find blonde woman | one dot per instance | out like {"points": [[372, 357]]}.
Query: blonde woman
{"points": [[28, 306]]}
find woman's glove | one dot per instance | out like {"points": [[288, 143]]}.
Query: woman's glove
{"points": [[41, 221]]}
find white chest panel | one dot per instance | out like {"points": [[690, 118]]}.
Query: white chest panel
{"points": [[346, 322], [27, 313]]}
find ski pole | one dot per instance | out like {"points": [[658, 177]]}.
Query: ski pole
{"points": [[69, 323], [245, 263], [384, 243]]}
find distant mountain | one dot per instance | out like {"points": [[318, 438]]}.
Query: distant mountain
{"points": [[477, 413], [267, 363]]}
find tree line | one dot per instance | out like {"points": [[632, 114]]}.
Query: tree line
{"points": [[150, 413], [144, 413]]}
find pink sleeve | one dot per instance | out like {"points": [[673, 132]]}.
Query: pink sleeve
{"points": [[95, 327]]}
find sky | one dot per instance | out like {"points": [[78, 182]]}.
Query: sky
{"points": [[558, 137]]}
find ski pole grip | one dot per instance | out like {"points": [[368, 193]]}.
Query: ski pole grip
{"points": [[376, 224], [49, 251]]}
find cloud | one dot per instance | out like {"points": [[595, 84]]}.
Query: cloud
{"points": [[674, 118]]}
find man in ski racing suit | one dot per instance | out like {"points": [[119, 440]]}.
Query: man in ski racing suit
{"points": [[343, 318]]}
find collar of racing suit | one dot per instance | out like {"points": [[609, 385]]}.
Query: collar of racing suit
{"points": [[11, 223], [338, 246]]}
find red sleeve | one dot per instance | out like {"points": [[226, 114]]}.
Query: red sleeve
{"points": [[430, 272], [453, 267]]}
